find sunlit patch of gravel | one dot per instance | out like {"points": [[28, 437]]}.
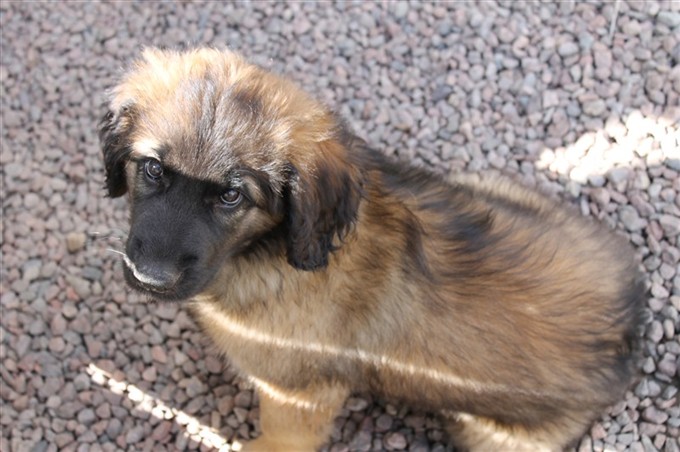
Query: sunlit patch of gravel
{"points": [[578, 99]]}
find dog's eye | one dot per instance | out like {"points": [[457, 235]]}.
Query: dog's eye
{"points": [[153, 169], [230, 198]]}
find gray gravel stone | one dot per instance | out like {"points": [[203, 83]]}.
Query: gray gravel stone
{"points": [[594, 107], [134, 435], [103, 411], [567, 49], [356, 404], [618, 175], [243, 399], [86, 416], [631, 219], [668, 366], [649, 365], [669, 392], [114, 428], [81, 382], [383, 422], [669, 18], [92, 273], [58, 325], [31, 269], [395, 441], [655, 331], [670, 225]]}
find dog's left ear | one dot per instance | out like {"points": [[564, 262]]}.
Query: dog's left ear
{"points": [[322, 203], [114, 138]]}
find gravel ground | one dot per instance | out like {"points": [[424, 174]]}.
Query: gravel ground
{"points": [[579, 99]]}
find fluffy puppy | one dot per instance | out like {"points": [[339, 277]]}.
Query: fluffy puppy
{"points": [[320, 267]]}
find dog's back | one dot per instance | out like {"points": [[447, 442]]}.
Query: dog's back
{"points": [[538, 306]]}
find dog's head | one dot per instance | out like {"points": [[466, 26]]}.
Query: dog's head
{"points": [[219, 159]]}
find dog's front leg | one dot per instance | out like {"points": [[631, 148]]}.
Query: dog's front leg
{"points": [[296, 420]]}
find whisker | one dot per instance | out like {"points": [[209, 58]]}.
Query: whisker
{"points": [[117, 252], [117, 234], [109, 237]]}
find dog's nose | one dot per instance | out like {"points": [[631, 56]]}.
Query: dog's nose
{"points": [[157, 276], [160, 277]]}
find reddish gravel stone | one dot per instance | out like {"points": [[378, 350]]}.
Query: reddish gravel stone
{"points": [[159, 354]]}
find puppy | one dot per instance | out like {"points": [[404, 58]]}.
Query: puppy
{"points": [[321, 268]]}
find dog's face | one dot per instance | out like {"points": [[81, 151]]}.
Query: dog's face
{"points": [[221, 159]]}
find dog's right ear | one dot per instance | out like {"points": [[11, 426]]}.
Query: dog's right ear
{"points": [[114, 137]]}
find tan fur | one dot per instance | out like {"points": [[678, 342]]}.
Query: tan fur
{"points": [[517, 329]]}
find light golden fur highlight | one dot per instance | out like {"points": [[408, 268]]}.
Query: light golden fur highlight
{"points": [[344, 271]]}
